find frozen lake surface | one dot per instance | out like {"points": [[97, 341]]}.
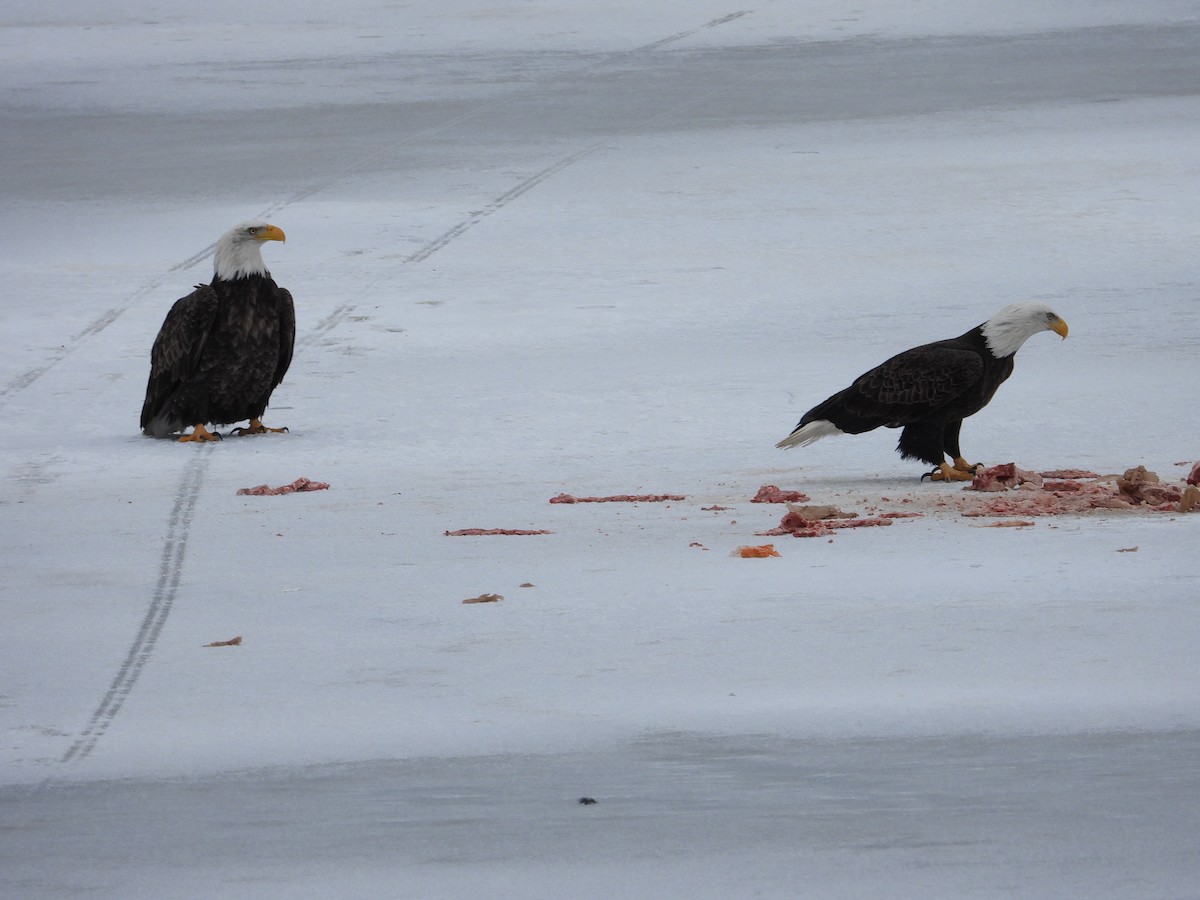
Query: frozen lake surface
{"points": [[601, 248]]}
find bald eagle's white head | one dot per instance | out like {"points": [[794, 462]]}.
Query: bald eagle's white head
{"points": [[239, 250], [1008, 329]]}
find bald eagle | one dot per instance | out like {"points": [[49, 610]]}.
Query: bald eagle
{"points": [[930, 389], [224, 347]]}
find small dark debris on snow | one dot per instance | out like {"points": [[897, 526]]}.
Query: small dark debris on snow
{"points": [[485, 598], [301, 485], [587, 801], [232, 642]]}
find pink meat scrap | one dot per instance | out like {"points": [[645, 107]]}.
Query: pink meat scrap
{"points": [[618, 498], [1069, 473], [1136, 487], [476, 532], [795, 524], [299, 485], [1141, 486], [769, 493], [1004, 477]]}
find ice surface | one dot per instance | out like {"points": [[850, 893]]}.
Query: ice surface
{"points": [[599, 248]]}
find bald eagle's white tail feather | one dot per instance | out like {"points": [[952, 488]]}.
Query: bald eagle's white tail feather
{"points": [[161, 426], [806, 434]]}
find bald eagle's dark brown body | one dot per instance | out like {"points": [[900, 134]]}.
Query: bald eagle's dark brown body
{"points": [[220, 353], [927, 391]]}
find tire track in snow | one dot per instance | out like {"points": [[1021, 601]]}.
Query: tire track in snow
{"points": [[500, 202], [712, 23], [170, 570]]}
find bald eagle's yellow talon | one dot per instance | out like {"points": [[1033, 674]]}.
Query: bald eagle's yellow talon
{"points": [[200, 434], [947, 472]]}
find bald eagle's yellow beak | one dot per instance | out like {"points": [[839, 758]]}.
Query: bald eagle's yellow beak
{"points": [[271, 233], [1057, 325]]}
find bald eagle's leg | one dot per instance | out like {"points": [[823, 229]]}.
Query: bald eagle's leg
{"points": [[257, 427], [200, 433], [947, 472]]}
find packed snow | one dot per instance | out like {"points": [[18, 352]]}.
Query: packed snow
{"points": [[597, 250]]}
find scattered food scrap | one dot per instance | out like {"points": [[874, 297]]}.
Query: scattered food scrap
{"points": [[1190, 499], [587, 801], [1074, 491], [769, 493], [618, 498], [819, 521], [232, 642], [525, 584], [485, 598], [1142, 486], [474, 532], [816, 513], [760, 552], [1127, 550], [1007, 523], [702, 509], [299, 485], [1194, 475], [697, 545], [1004, 478]]}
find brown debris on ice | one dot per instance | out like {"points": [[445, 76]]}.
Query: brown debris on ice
{"points": [[618, 498], [485, 598], [1194, 475], [769, 493], [232, 642], [760, 552], [298, 486]]}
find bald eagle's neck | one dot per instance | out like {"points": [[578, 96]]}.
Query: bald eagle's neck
{"points": [[1010, 328], [238, 259]]}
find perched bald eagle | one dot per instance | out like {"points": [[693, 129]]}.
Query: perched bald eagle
{"points": [[224, 347], [930, 389]]}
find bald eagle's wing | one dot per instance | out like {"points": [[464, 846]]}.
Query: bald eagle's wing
{"points": [[287, 335], [913, 384], [175, 355], [909, 387]]}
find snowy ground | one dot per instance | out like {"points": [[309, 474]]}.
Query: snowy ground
{"points": [[598, 248]]}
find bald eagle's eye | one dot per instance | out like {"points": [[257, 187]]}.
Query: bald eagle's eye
{"points": [[253, 229]]}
